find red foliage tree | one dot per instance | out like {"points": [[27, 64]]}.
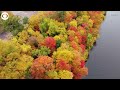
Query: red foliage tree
{"points": [[79, 37], [50, 43], [84, 39], [83, 48], [70, 38], [74, 45], [40, 66], [63, 65], [73, 28]]}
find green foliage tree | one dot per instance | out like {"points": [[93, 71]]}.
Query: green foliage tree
{"points": [[13, 25]]}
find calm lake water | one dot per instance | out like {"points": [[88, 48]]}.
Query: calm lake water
{"points": [[104, 60]]}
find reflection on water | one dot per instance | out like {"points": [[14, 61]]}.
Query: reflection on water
{"points": [[104, 59]]}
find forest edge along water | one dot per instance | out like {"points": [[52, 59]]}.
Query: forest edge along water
{"points": [[104, 59]]}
